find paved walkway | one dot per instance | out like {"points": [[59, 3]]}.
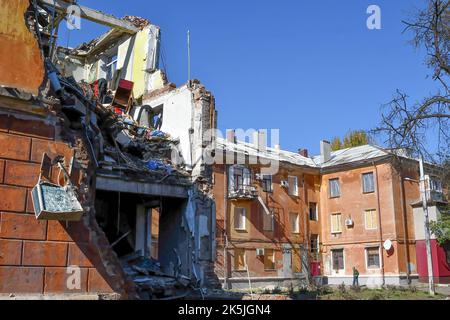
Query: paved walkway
{"points": [[440, 288]]}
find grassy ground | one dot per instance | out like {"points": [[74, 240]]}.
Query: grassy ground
{"points": [[348, 293], [387, 293]]}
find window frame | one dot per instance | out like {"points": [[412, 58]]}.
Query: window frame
{"points": [[329, 187], [272, 228], [367, 258], [297, 222], [317, 248], [363, 184], [244, 219], [243, 251], [375, 219], [294, 192], [264, 183], [316, 213], [332, 260], [273, 260], [340, 224]]}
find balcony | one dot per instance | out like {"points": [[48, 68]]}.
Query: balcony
{"points": [[243, 192]]}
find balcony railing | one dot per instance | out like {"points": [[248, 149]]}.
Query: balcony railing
{"points": [[243, 192]]}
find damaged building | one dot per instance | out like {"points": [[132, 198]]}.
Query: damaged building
{"points": [[103, 188]]}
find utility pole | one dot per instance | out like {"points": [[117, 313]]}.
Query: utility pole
{"points": [[427, 229], [189, 54]]}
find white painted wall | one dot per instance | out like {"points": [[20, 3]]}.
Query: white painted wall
{"points": [[419, 221], [177, 118]]}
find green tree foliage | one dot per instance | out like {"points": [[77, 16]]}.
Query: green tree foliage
{"points": [[353, 138], [336, 144], [441, 228]]}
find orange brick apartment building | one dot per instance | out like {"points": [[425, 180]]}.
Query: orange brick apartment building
{"points": [[317, 216]]}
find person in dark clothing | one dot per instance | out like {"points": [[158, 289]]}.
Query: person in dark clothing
{"points": [[102, 89], [355, 277]]}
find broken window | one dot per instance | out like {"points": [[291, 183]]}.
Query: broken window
{"points": [[313, 216], [239, 218], [239, 259], [368, 184], [373, 257], [293, 185], [294, 219], [269, 259], [338, 259], [335, 190]]}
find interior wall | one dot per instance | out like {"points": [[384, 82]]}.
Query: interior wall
{"points": [[173, 243]]}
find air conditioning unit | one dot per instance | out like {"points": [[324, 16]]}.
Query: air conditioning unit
{"points": [[349, 222], [260, 252], [284, 184]]}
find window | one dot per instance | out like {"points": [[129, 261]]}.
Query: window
{"points": [[314, 243], [269, 259], [338, 259], [435, 184], [295, 222], [336, 223], [267, 183], [239, 259], [240, 177], [367, 181], [335, 189], [239, 218], [370, 219], [293, 186], [373, 257], [268, 221], [313, 211]]}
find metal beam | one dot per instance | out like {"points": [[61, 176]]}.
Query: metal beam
{"points": [[94, 15], [107, 183]]}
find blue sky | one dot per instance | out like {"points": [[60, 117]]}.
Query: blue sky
{"points": [[310, 68]]}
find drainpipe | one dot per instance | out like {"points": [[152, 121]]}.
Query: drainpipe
{"points": [[225, 225], [306, 238], [379, 223], [405, 232]]}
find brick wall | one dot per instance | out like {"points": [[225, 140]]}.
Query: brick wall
{"points": [[35, 254]]}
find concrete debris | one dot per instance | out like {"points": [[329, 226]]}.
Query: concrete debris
{"points": [[151, 282], [138, 22]]}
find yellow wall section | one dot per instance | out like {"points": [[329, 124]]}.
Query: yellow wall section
{"points": [[139, 62]]}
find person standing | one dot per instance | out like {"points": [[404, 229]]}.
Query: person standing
{"points": [[355, 277]]}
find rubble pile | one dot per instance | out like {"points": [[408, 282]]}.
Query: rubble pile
{"points": [[138, 22], [118, 142], [151, 282]]}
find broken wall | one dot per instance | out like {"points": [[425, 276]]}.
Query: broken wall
{"points": [[188, 113], [35, 255]]}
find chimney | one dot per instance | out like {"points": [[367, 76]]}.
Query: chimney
{"points": [[303, 152], [260, 140], [325, 150], [231, 136]]}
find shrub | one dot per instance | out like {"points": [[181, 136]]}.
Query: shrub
{"points": [[276, 290], [342, 288]]}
